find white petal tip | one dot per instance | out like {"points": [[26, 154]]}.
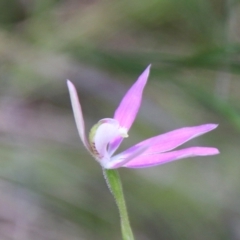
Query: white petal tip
{"points": [[145, 73], [206, 151], [70, 84], [212, 126], [147, 70], [216, 152], [123, 132]]}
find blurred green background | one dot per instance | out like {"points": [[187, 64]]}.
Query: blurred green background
{"points": [[50, 188]]}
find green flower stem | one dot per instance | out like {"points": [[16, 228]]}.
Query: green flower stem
{"points": [[114, 183]]}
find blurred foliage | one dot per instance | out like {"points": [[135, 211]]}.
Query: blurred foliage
{"points": [[50, 187]]}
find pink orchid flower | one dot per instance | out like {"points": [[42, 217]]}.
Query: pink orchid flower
{"points": [[106, 136]]}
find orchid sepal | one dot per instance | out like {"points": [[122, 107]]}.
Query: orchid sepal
{"points": [[128, 108], [77, 112]]}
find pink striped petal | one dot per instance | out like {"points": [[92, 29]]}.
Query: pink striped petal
{"points": [[77, 111], [170, 140], [128, 108], [144, 161]]}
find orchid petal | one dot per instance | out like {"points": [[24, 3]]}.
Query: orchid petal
{"points": [[77, 111], [170, 140], [119, 161], [128, 108], [144, 161]]}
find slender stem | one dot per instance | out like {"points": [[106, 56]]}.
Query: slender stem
{"points": [[115, 186]]}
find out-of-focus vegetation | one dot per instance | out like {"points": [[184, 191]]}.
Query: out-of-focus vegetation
{"points": [[50, 187]]}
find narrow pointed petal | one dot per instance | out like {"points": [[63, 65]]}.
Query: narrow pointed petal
{"points": [[144, 161], [128, 108], [77, 111], [170, 140]]}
